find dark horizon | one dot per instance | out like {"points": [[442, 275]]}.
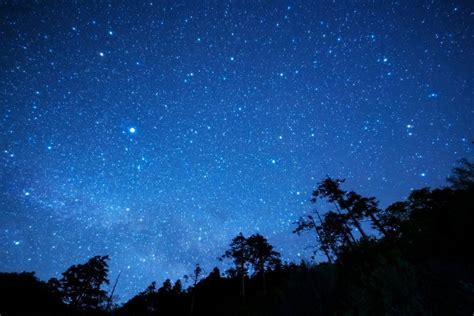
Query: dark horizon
{"points": [[154, 133]]}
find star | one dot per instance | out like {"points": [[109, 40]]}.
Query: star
{"points": [[133, 153]]}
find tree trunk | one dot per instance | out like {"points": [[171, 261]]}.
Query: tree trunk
{"points": [[320, 238], [346, 238], [377, 224], [348, 228], [331, 245], [358, 226]]}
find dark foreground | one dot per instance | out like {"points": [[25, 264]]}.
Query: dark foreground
{"points": [[420, 263]]}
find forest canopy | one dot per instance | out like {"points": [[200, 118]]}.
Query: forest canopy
{"points": [[415, 260]]}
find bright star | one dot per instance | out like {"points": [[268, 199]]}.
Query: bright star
{"points": [[132, 130]]}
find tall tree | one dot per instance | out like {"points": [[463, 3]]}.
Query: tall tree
{"points": [[177, 287], [166, 287], [239, 253], [197, 273], [336, 231], [331, 190], [463, 176], [195, 277], [262, 256], [308, 223], [81, 285], [361, 207], [215, 274], [393, 217]]}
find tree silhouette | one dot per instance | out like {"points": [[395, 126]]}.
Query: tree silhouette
{"points": [[166, 287], [215, 274], [262, 256], [80, 285], [393, 217], [195, 278], [308, 223], [330, 189], [335, 231], [361, 207], [151, 289], [463, 176], [240, 255], [177, 287], [419, 264], [196, 274]]}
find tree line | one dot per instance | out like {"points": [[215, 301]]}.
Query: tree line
{"points": [[412, 258]]}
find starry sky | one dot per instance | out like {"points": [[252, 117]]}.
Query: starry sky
{"points": [[154, 132]]}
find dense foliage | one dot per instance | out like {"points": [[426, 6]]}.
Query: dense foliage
{"points": [[414, 260]]}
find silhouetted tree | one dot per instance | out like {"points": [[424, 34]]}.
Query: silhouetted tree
{"points": [[330, 189], [463, 176], [195, 278], [151, 289], [240, 254], [362, 207], [166, 287], [196, 274], [393, 217], [262, 256], [335, 231], [80, 285], [215, 274], [177, 287], [419, 265], [308, 223]]}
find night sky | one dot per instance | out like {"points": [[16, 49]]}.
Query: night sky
{"points": [[156, 132]]}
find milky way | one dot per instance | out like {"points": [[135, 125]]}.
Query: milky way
{"points": [[155, 132]]}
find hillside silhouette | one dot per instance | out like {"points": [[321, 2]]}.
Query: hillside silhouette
{"points": [[415, 260]]}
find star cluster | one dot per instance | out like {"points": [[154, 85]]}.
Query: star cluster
{"points": [[155, 132]]}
